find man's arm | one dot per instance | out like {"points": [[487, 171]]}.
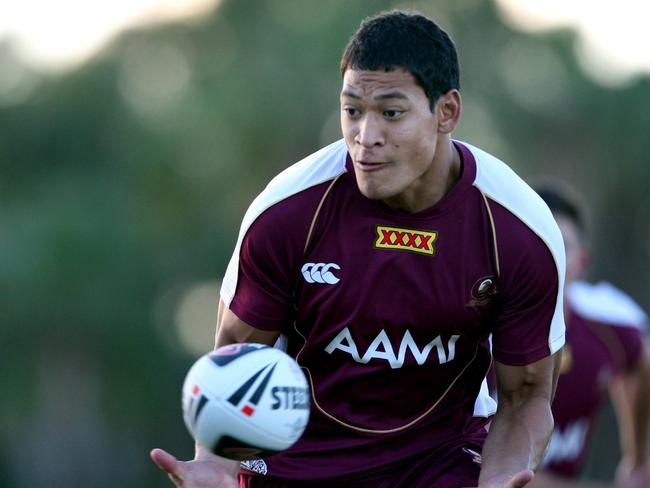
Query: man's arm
{"points": [[630, 394], [231, 329], [208, 470], [522, 426]]}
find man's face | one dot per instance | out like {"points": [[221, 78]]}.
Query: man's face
{"points": [[577, 256], [390, 131]]}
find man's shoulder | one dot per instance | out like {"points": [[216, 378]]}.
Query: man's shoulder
{"points": [[603, 303], [287, 202], [315, 169], [499, 182], [318, 167], [517, 203]]}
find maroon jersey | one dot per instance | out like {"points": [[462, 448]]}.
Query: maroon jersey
{"points": [[389, 312], [604, 338]]}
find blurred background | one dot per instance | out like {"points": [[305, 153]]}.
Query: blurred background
{"points": [[134, 134]]}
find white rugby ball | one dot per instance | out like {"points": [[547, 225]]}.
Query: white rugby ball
{"points": [[246, 401]]}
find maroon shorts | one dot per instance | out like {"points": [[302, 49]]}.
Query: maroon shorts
{"points": [[456, 468]]}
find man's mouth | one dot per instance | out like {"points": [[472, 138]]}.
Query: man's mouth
{"points": [[369, 165]]}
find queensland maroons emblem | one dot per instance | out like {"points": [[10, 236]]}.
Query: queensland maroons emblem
{"points": [[483, 291]]}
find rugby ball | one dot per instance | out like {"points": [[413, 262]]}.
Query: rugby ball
{"points": [[245, 401]]}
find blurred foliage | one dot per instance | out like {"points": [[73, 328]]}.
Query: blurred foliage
{"points": [[128, 177]]}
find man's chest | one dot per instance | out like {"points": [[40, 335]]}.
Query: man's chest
{"points": [[376, 274]]}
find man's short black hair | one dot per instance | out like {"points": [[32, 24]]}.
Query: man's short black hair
{"points": [[409, 40]]}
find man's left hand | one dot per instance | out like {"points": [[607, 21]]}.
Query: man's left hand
{"points": [[518, 480]]}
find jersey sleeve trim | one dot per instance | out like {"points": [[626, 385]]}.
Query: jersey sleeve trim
{"points": [[501, 184], [317, 168]]}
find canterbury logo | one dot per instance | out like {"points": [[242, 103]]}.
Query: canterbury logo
{"points": [[250, 404], [405, 239], [320, 273]]}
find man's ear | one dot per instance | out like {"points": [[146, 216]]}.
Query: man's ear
{"points": [[448, 109], [585, 260]]}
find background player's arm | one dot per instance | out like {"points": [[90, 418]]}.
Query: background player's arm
{"points": [[545, 479], [522, 426], [630, 394]]}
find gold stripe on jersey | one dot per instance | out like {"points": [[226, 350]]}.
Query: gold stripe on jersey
{"points": [[419, 241], [494, 234], [315, 217]]}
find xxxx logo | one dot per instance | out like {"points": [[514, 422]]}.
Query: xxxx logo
{"points": [[405, 239], [250, 403]]}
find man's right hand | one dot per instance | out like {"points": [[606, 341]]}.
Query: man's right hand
{"points": [[200, 473]]}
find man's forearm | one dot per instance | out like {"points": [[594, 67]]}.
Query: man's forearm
{"points": [[518, 437]]}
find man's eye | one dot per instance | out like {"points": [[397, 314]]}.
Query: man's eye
{"points": [[392, 114], [351, 112]]}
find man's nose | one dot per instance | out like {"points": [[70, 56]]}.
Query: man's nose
{"points": [[370, 132]]}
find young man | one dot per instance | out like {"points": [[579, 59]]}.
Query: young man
{"points": [[386, 259], [604, 353]]}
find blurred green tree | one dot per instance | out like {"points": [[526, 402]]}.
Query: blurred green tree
{"points": [[124, 181]]}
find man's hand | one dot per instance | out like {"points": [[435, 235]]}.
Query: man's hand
{"points": [[199, 473], [633, 478], [208, 470], [522, 478]]}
